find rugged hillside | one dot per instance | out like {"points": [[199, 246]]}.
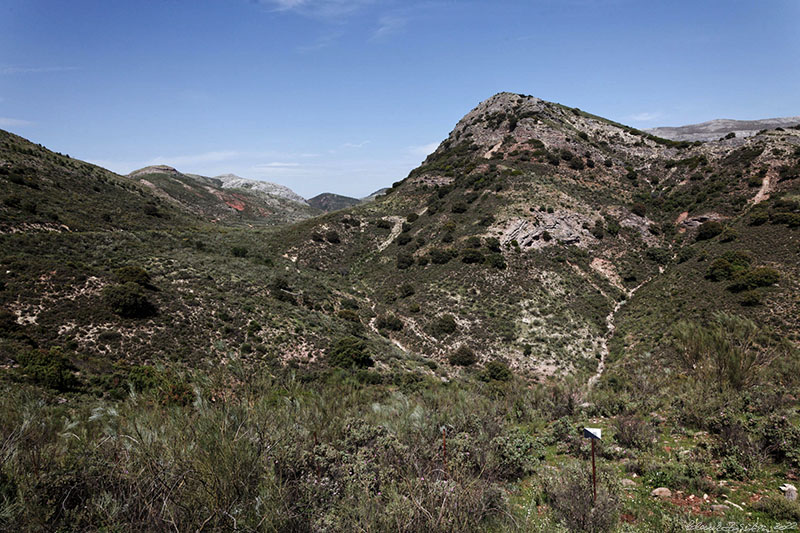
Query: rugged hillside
{"points": [[228, 199], [717, 129], [517, 238], [532, 221], [46, 191], [329, 201], [422, 362]]}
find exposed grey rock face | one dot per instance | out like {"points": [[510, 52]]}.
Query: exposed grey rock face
{"points": [[715, 129], [232, 181]]}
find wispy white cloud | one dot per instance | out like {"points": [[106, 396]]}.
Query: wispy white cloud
{"points": [[645, 116], [195, 159], [34, 70], [323, 41], [318, 8], [362, 144], [423, 150], [6, 122], [276, 164], [389, 25]]}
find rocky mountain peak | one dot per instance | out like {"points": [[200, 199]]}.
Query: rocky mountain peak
{"points": [[154, 169]]}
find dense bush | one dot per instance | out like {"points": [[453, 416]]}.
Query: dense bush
{"points": [[49, 368], [332, 237], [634, 432], [498, 371], [462, 356], [443, 325], [128, 300], [441, 256], [404, 260], [754, 278], [709, 230], [350, 352], [569, 493], [132, 274], [390, 322], [472, 256], [729, 265], [779, 508], [516, 454]]}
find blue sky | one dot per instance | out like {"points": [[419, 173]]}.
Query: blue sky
{"points": [[350, 95]]}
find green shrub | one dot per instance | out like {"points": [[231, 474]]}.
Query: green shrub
{"points": [[462, 356], [403, 239], [472, 256], [383, 223], [754, 278], [132, 274], [758, 217], [779, 508], [569, 494], [349, 315], [332, 237], [709, 230], [496, 261], [441, 256], [350, 352], [443, 325], [639, 209], [239, 251], [129, 301], [498, 371], [390, 322], [50, 368], [729, 265], [516, 454], [406, 290], [634, 432], [412, 217], [459, 207], [404, 260]]}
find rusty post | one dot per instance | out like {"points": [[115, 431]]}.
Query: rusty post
{"points": [[444, 446], [594, 478]]}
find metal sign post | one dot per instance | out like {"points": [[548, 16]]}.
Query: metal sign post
{"points": [[594, 434]]}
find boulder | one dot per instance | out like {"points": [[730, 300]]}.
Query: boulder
{"points": [[661, 492], [628, 483], [789, 491]]}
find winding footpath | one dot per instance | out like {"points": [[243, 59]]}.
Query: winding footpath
{"points": [[610, 328]]}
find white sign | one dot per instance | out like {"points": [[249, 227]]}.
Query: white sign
{"points": [[592, 433]]}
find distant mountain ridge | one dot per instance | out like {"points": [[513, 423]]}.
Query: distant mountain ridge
{"points": [[227, 197], [715, 129]]}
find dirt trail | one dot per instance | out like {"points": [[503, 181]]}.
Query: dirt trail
{"points": [[610, 328], [763, 192], [398, 226]]}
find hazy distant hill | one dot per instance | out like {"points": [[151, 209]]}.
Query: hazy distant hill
{"points": [[329, 201], [715, 129], [228, 198]]}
